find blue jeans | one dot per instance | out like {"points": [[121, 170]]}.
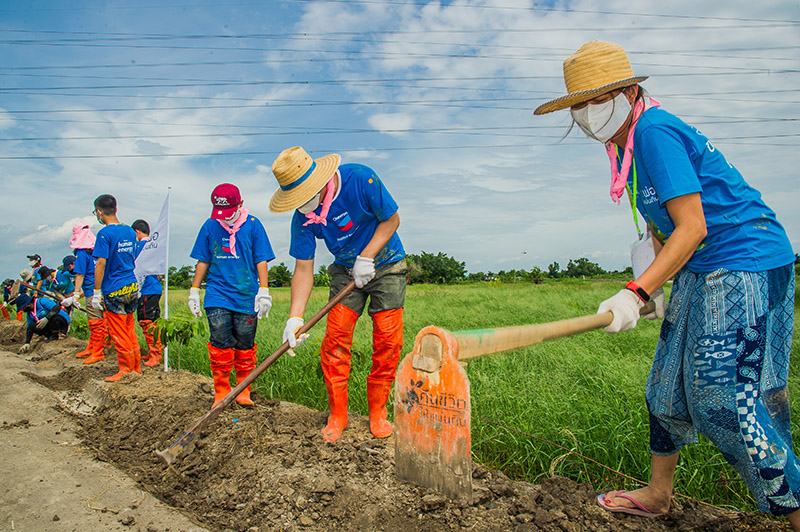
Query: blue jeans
{"points": [[231, 329]]}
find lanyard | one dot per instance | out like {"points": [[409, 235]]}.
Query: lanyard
{"points": [[632, 195]]}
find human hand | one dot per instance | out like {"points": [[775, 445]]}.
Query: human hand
{"points": [[42, 323], [96, 301], [67, 302], [624, 305], [194, 302], [660, 301], [24, 349], [263, 303], [363, 271]]}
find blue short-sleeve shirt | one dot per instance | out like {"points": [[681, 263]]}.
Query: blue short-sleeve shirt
{"points": [[232, 282], [151, 285], [65, 282], [84, 265], [674, 159], [117, 244], [361, 204]]}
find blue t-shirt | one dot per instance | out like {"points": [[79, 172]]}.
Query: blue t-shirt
{"points": [[151, 285], [41, 308], [362, 203], [674, 159], [117, 244], [65, 282], [84, 265], [232, 282], [47, 282]]}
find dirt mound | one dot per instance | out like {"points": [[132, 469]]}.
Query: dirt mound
{"points": [[267, 468]]}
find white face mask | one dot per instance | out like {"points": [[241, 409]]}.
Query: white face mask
{"points": [[602, 120], [311, 204], [32, 263], [233, 218]]}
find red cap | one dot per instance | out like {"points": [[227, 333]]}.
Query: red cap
{"points": [[226, 200]]}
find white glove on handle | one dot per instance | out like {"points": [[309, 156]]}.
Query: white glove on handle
{"points": [[660, 301], [363, 271], [624, 305], [96, 300], [292, 324], [263, 303], [67, 302], [194, 302]]}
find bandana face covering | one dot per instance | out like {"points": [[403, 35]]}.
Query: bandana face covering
{"points": [[602, 120], [234, 217], [321, 218]]}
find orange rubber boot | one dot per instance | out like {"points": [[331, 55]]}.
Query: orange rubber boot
{"points": [[6, 315], [152, 337], [387, 343], [97, 336], [245, 363], [335, 360], [377, 395], [19, 315], [221, 365], [121, 328]]}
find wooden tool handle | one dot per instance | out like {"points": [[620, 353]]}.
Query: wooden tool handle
{"points": [[480, 342], [184, 444]]}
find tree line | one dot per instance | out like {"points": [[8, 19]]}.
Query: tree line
{"points": [[430, 268]]}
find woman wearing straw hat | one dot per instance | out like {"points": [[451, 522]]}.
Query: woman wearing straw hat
{"points": [[348, 207], [722, 358]]}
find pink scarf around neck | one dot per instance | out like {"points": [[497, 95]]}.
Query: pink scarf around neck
{"points": [[321, 218], [619, 177], [233, 229]]}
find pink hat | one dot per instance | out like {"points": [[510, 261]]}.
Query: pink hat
{"points": [[226, 200], [82, 237]]}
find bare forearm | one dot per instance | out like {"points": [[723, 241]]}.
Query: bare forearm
{"points": [[383, 232], [302, 283], [99, 271], [79, 284], [263, 275], [200, 272]]}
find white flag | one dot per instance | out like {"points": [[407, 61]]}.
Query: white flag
{"points": [[153, 258]]}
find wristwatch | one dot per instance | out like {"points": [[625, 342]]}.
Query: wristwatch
{"points": [[638, 290]]}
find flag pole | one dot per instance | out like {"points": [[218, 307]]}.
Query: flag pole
{"points": [[166, 287]]}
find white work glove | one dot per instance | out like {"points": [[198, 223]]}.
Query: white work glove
{"points": [[624, 305], [3, 305], [363, 271], [96, 300], [67, 302], [263, 303], [76, 304], [292, 324], [660, 301], [25, 348], [42, 323], [194, 302]]}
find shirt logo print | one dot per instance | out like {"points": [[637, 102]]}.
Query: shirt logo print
{"points": [[344, 223]]}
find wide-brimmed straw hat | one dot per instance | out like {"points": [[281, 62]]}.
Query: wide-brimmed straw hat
{"points": [[300, 177], [596, 68]]}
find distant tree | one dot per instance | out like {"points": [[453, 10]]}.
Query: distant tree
{"points": [[478, 276], [439, 268], [583, 267], [322, 277], [536, 275], [181, 277], [554, 270], [279, 275]]}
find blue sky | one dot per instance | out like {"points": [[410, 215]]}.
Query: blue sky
{"points": [[132, 97]]}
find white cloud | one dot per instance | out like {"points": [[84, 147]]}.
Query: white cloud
{"points": [[392, 124], [45, 234]]}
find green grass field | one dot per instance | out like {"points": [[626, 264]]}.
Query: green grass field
{"points": [[585, 392]]}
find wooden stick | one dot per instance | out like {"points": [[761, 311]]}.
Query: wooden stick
{"points": [[481, 342], [185, 444]]}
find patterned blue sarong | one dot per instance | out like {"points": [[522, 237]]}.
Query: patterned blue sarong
{"points": [[721, 368]]}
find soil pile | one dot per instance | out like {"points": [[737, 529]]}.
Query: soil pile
{"points": [[267, 468]]}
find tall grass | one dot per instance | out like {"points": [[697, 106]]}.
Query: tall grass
{"points": [[585, 392]]}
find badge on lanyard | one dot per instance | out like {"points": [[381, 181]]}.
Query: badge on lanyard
{"points": [[643, 252]]}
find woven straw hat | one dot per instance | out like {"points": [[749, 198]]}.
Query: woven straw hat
{"points": [[596, 68], [300, 177]]}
